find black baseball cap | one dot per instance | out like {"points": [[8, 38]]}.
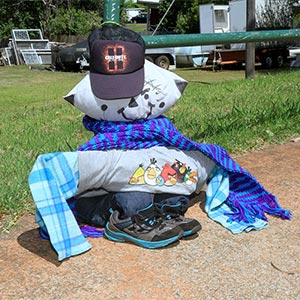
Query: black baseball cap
{"points": [[117, 57]]}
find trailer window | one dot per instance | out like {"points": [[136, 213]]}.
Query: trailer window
{"points": [[221, 20]]}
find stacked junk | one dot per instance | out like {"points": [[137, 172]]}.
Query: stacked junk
{"points": [[29, 47]]}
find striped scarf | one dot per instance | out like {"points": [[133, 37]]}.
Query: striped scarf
{"points": [[248, 199]]}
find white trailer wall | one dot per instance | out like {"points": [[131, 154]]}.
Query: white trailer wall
{"points": [[238, 17], [213, 19]]}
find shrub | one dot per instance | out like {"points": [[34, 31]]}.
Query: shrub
{"points": [[73, 22]]}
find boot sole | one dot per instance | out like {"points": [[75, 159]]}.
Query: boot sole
{"points": [[118, 236], [191, 232]]}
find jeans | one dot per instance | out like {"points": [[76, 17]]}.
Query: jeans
{"points": [[132, 202], [96, 210]]}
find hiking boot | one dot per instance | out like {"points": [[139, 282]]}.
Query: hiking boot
{"points": [[143, 229], [171, 213]]}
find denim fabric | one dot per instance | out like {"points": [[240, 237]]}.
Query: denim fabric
{"points": [[131, 203], [182, 201], [95, 210]]}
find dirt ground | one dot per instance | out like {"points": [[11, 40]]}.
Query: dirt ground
{"points": [[214, 264]]}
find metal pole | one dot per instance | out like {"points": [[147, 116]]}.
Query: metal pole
{"points": [[163, 18], [111, 11], [178, 40], [250, 47]]}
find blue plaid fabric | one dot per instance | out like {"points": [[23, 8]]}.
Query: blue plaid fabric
{"points": [[217, 192], [53, 180]]}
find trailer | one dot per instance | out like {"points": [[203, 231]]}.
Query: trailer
{"points": [[294, 56], [162, 57], [271, 56], [232, 18], [212, 19]]}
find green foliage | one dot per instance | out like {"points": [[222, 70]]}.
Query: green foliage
{"points": [[48, 15], [80, 16], [73, 21], [188, 18], [187, 12], [295, 7], [131, 4], [18, 14], [274, 14], [169, 22], [296, 19]]}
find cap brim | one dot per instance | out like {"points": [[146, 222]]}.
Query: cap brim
{"points": [[117, 86]]}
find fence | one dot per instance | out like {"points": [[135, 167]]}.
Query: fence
{"points": [[112, 13]]}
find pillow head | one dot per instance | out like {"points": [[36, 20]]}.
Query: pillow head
{"points": [[161, 90]]}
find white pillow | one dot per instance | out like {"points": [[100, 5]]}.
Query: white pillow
{"points": [[161, 90]]}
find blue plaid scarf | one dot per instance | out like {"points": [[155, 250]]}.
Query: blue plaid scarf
{"points": [[247, 199]]}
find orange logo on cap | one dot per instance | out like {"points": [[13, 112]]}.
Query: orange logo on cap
{"points": [[115, 59]]}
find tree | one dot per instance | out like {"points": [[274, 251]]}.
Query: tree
{"points": [[275, 14], [72, 21], [71, 17], [170, 21], [295, 7], [80, 16], [184, 14], [188, 17], [19, 14]]}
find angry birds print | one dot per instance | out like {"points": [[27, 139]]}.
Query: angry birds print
{"points": [[151, 173], [190, 176], [180, 169], [138, 176], [167, 175]]}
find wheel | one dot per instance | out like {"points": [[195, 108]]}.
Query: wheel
{"points": [[163, 62], [267, 62], [149, 58], [279, 61]]}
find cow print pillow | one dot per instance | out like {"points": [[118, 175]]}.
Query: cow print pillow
{"points": [[161, 90]]}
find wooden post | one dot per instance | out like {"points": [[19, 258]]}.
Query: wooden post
{"points": [[250, 47]]}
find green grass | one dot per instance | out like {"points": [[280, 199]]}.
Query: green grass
{"points": [[138, 27], [35, 120], [221, 108], [240, 114]]}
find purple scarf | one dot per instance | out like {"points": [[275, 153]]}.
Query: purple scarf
{"points": [[248, 199]]}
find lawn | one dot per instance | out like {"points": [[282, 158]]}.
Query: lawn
{"points": [[216, 107]]}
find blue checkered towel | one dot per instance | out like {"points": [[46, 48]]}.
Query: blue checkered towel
{"points": [[52, 181], [217, 208]]}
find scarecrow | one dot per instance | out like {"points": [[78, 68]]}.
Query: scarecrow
{"points": [[136, 175]]}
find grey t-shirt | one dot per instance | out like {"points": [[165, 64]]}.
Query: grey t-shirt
{"points": [[154, 170]]}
